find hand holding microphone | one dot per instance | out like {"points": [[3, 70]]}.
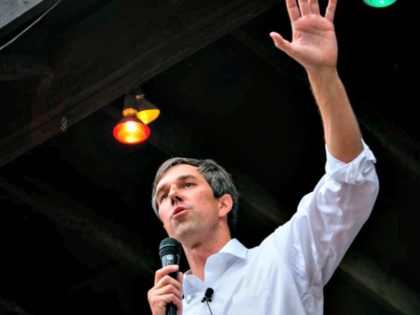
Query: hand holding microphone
{"points": [[165, 297], [170, 254]]}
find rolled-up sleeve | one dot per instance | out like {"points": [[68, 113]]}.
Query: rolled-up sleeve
{"points": [[329, 218], [355, 172]]}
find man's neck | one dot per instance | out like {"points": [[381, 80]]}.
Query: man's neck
{"points": [[197, 255]]}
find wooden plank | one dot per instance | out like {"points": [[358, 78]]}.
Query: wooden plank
{"points": [[17, 67], [74, 216], [12, 10], [10, 307], [388, 290], [14, 14]]}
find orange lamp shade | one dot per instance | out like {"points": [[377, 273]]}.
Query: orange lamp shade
{"points": [[131, 131]]}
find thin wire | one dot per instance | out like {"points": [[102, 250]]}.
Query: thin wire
{"points": [[208, 305], [30, 26]]}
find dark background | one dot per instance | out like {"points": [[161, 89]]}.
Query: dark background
{"points": [[77, 232]]}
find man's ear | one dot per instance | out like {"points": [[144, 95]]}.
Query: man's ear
{"points": [[225, 204]]}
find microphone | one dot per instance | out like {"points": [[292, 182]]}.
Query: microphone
{"points": [[170, 253], [208, 295]]}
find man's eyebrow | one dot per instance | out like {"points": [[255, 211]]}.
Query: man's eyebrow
{"points": [[180, 178]]}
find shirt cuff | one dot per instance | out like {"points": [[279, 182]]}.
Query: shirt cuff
{"points": [[353, 172]]}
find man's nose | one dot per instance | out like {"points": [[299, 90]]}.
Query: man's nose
{"points": [[173, 193]]}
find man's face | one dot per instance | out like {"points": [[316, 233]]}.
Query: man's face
{"points": [[187, 206]]}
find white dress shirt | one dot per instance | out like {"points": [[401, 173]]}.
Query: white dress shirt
{"points": [[286, 273]]}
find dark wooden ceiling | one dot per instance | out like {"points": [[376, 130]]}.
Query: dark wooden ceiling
{"points": [[77, 233]]}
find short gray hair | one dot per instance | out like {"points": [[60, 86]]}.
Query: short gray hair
{"points": [[218, 178]]}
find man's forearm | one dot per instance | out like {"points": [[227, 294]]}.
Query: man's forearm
{"points": [[341, 130]]}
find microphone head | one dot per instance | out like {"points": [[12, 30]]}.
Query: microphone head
{"points": [[209, 292], [169, 245], [208, 295]]}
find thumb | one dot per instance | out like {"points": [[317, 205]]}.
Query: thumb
{"points": [[280, 42]]}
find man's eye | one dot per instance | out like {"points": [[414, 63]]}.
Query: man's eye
{"points": [[188, 184], [163, 196]]}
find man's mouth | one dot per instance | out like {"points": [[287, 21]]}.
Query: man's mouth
{"points": [[178, 210]]}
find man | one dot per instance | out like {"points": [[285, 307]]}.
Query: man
{"points": [[197, 201]]}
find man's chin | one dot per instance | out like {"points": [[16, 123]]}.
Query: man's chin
{"points": [[182, 231]]}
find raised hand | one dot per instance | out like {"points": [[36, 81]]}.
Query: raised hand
{"points": [[314, 43]]}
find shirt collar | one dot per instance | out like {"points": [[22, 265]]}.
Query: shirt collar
{"points": [[232, 250], [235, 248]]}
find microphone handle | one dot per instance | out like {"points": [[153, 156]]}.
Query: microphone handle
{"points": [[170, 260], [170, 309]]}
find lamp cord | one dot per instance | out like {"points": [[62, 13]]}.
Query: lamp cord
{"points": [[30, 26]]}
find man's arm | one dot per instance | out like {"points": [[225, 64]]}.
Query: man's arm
{"points": [[341, 130], [314, 46], [316, 238]]}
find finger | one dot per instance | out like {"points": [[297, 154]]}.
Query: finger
{"points": [[181, 277], [166, 290], [279, 41], [169, 282], [293, 10], [330, 11], [282, 44], [305, 8], [166, 299], [160, 273], [170, 286], [314, 6], [176, 300], [160, 297]]}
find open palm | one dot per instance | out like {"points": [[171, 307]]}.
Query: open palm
{"points": [[314, 42]]}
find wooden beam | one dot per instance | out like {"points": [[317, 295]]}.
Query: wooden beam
{"points": [[14, 14], [384, 287], [124, 44], [11, 307], [18, 67], [393, 138], [74, 216]]}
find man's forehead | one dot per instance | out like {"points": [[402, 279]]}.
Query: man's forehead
{"points": [[177, 172]]}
